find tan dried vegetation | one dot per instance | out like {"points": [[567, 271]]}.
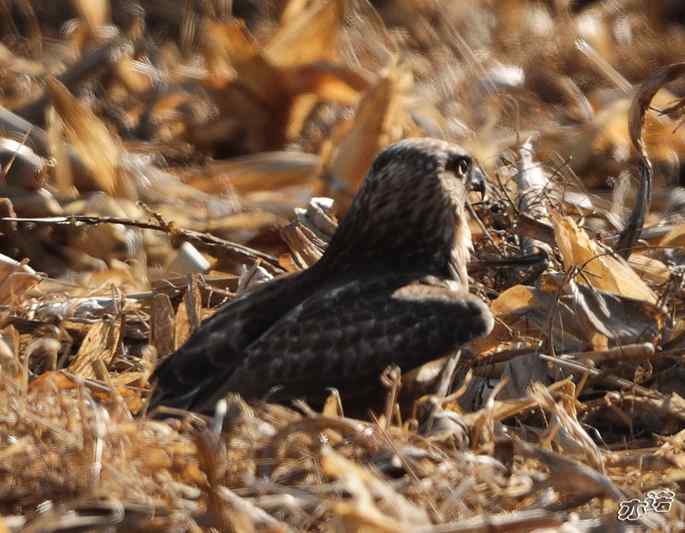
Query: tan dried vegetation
{"points": [[160, 158]]}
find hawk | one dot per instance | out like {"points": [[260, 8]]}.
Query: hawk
{"points": [[391, 288]]}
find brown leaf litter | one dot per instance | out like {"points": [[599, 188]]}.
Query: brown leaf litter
{"points": [[162, 158]]}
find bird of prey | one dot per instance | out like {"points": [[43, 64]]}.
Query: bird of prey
{"points": [[391, 288]]}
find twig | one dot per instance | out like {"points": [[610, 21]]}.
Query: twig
{"points": [[448, 374], [209, 243], [515, 260], [602, 66], [527, 520], [638, 110], [391, 380], [619, 382], [483, 228]]}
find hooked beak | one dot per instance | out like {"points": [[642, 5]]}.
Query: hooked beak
{"points": [[477, 181]]}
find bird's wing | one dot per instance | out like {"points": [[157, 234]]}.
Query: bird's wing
{"points": [[217, 348], [345, 336]]}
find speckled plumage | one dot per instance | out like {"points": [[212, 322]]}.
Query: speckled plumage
{"points": [[391, 288]]}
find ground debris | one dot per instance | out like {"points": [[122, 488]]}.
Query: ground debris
{"points": [[162, 158]]}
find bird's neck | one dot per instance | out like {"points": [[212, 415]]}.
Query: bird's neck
{"points": [[460, 253], [429, 241], [444, 262]]}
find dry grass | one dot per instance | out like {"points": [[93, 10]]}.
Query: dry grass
{"points": [[160, 158]]}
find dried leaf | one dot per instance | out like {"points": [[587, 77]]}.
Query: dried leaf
{"points": [[650, 269], [369, 132], [15, 280], [675, 237], [267, 170], [308, 37], [95, 13], [101, 343], [583, 315], [376, 503], [162, 325], [514, 299], [189, 313], [92, 141], [600, 268], [253, 70]]}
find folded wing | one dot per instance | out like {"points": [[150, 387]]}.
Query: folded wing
{"points": [[345, 336], [209, 357]]}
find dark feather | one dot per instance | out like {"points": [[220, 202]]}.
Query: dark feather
{"points": [[345, 336]]}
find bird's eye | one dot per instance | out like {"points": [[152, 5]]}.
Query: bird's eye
{"points": [[459, 165]]}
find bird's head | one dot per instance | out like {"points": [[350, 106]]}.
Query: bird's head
{"points": [[409, 211]]}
